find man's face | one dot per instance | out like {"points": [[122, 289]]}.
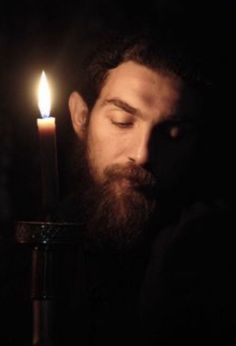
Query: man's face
{"points": [[137, 141], [139, 118]]}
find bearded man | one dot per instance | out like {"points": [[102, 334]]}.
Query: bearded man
{"points": [[138, 123], [146, 269], [140, 199]]}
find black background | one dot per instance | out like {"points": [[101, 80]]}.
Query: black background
{"points": [[56, 36]]}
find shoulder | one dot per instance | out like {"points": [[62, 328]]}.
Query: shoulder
{"points": [[189, 281], [200, 225]]}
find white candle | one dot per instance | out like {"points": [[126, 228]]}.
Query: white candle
{"points": [[48, 150], [47, 126]]}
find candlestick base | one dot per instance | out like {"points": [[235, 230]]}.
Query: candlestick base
{"points": [[47, 233], [50, 242]]}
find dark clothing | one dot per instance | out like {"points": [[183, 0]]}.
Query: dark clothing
{"points": [[179, 288]]}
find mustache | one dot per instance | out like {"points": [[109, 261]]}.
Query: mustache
{"points": [[137, 175]]}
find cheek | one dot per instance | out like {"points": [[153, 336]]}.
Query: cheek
{"points": [[102, 145], [175, 159], [106, 140]]}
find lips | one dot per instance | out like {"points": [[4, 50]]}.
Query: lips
{"points": [[122, 184]]}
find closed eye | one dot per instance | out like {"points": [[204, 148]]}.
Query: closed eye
{"points": [[175, 129], [122, 124]]}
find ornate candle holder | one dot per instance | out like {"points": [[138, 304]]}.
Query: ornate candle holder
{"points": [[48, 241]]}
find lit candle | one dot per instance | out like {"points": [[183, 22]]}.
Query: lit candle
{"points": [[47, 134]]}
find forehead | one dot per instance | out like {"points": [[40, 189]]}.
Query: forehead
{"points": [[143, 87], [157, 93]]}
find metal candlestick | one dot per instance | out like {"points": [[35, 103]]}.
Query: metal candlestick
{"points": [[48, 240]]}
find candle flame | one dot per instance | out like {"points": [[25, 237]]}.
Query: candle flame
{"points": [[44, 96]]}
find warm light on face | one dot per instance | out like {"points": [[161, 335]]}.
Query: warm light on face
{"points": [[44, 96]]}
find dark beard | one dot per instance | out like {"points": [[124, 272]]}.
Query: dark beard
{"points": [[122, 205], [119, 209]]}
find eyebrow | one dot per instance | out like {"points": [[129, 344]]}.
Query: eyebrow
{"points": [[117, 102], [122, 105]]}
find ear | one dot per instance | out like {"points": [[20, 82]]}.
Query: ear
{"points": [[79, 113]]}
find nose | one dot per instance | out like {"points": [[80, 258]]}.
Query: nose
{"points": [[140, 151]]}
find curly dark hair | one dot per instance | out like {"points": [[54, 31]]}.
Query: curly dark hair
{"points": [[145, 49]]}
